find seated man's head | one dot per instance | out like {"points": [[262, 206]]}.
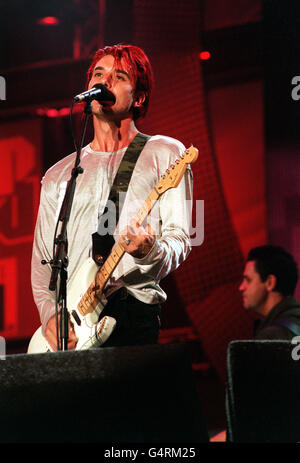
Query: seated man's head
{"points": [[270, 275]]}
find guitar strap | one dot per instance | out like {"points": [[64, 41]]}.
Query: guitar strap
{"points": [[103, 242]]}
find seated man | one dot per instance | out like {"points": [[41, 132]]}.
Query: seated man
{"points": [[269, 282]]}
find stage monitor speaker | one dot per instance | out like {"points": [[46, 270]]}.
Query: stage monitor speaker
{"points": [[111, 395], [263, 393]]}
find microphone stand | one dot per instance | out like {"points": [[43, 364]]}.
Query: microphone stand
{"points": [[60, 262]]}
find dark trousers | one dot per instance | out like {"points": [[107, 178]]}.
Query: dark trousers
{"points": [[137, 323]]}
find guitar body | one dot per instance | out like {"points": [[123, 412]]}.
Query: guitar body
{"points": [[89, 331]]}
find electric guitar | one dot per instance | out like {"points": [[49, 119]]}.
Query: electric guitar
{"points": [[85, 295]]}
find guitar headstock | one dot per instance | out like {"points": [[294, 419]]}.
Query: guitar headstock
{"points": [[190, 155], [171, 178]]}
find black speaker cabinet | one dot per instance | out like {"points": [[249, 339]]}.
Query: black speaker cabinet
{"points": [[263, 394], [118, 394]]}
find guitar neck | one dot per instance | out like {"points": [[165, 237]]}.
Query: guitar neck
{"points": [[90, 299]]}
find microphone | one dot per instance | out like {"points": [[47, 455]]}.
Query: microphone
{"points": [[98, 92]]}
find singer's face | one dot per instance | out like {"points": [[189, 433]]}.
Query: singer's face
{"points": [[119, 82]]}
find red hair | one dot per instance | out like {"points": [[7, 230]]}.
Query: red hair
{"points": [[136, 63]]}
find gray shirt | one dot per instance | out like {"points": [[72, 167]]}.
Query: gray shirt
{"points": [[170, 218]]}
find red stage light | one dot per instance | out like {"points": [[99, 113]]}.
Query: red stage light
{"points": [[204, 55], [52, 112], [48, 21]]}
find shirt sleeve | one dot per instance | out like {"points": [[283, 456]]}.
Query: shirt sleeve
{"points": [[42, 249], [174, 244]]}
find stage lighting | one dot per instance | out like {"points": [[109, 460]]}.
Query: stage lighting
{"points": [[48, 21], [204, 55]]}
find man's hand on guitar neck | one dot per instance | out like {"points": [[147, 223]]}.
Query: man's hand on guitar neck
{"points": [[51, 336], [136, 240]]}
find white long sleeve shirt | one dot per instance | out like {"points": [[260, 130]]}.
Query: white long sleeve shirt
{"points": [[170, 218]]}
